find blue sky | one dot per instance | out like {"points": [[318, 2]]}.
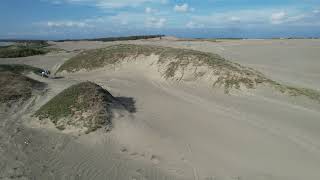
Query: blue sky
{"points": [[59, 19]]}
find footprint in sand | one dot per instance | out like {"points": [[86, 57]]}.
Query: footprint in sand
{"points": [[134, 154], [123, 149], [155, 159]]}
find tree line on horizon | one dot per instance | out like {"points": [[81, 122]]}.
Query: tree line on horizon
{"points": [[124, 38]]}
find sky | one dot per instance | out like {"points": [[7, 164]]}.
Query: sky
{"points": [[67, 19]]}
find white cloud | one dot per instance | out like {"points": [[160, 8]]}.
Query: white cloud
{"points": [[293, 18], [229, 18], [149, 10], [153, 18], [182, 8], [56, 2], [66, 24], [109, 4], [278, 17], [192, 25], [296, 18], [234, 19], [119, 4], [155, 22], [164, 1], [123, 20], [129, 19], [258, 17]]}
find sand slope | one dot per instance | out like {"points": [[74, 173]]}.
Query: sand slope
{"points": [[179, 130]]}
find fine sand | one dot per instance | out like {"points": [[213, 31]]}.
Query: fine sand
{"points": [[179, 130]]}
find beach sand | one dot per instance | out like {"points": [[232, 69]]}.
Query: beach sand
{"points": [[179, 130]]}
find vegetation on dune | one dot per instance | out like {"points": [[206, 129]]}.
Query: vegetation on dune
{"points": [[224, 73], [24, 49], [19, 68], [19, 51], [97, 58], [84, 105], [296, 91], [230, 74], [14, 87], [29, 42]]}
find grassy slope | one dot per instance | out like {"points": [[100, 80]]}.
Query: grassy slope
{"points": [[19, 68], [297, 91], [116, 53], [14, 87], [24, 49], [85, 97], [229, 74]]}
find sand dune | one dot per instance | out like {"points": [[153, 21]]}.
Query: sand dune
{"points": [[179, 129]]}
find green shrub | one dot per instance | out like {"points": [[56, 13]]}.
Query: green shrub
{"points": [[14, 87], [17, 50], [19, 68], [67, 107]]}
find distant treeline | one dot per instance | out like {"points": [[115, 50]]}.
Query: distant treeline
{"points": [[115, 38], [43, 42]]}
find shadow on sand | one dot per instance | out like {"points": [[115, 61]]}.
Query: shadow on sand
{"points": [[57, 77], [128, 103]]}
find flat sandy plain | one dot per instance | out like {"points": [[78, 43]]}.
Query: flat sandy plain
{"points": [[179, 130]]}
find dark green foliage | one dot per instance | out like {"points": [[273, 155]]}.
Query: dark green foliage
{"points": [[20, 51], [116, 38], [85, 97], [15, 86], [60, 106], [28, 42], [24, 49], [19, 68]]}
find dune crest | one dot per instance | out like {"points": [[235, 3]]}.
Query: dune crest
{"points": [[181, 65]]}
